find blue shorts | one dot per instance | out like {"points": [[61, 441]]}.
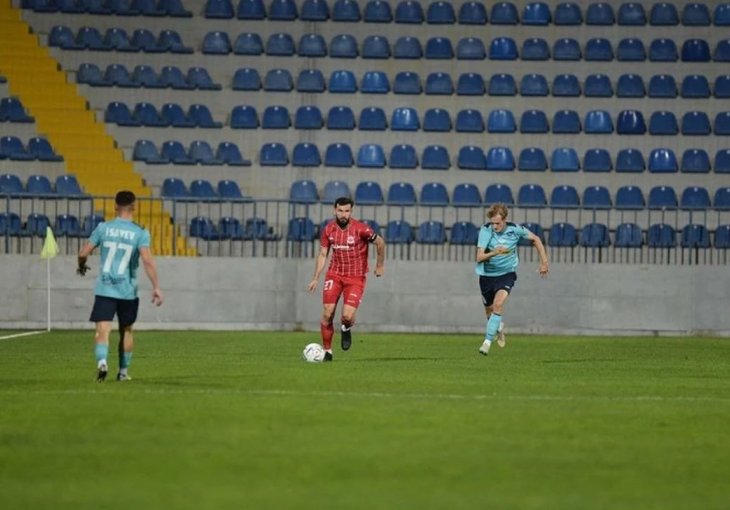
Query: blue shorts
{"points": [[105, 308], [489, 285]]}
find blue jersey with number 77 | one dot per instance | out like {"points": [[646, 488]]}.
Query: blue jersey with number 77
{"points": [[120, 241]]}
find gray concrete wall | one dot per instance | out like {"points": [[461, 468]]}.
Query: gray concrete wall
{"points": [[238, 293]]}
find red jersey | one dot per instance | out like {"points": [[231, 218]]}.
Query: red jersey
{"points": [[349, 247]]}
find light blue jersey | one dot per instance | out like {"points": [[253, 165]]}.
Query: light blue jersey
{"points": [[120, 241], [509, 238]]}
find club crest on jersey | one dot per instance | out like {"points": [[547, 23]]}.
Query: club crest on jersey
{"points": [[350, 240]]}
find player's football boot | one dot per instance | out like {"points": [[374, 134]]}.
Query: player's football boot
{"points": [[123, 377], [501, 339], [327, 356], [346, 338], [484, 349], [101, 374]]}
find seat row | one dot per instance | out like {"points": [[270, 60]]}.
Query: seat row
{"points": [[116, 38], [199, 152], [310, 45], [173, 8], [40, 185], [472, 13], [117, 75], [169, 115], [12, 110], [65, 225], [38, 149]]}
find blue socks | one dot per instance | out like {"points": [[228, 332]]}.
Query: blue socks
{"points": [[125, 358], [493, 325], [101, 351]]}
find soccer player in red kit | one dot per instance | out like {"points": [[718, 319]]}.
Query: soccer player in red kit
{"points": [[348, 241]]}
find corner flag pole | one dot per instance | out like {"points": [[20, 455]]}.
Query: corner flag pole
{"points": [[49, 250]]}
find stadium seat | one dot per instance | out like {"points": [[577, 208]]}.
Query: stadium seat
{"points": [[435, 157], [722, 161], [201, 152], [501, 121], [303, 192], [398, 232], [470, 48], [532, 159], [343, 46], [566, 85], [534, 85], [630, 160], [67, 186], [280, 45], [722, 237], [497, 194], [333, 190], [42, 150], [597, 160], [258, 228], [283, 10], [301, 230], [535, 48], [600, 13], [306, 154], [567, 13], [11, 147], [695, 50], [567, 48], [629, 198], [248, 43], [375, 46], [370, 155], [275, 117], [377, 11], [439, 84], [596, 197], [470, 84], [244, 117], [439, 48], [173, 77], [662, 197], [200, 115], [36, 225], [308, 117], [630, 50], [372, 119], [594, 235], [202, 190], [721, 200], [439, 13], [340, 117], [375, 82], [532, 196], [145, 150], [67, 225], [695, 14], [500, 159], [598, 50], [663, 123], [310, 80], [721, 125], [464, 233], [471, 158], [534, 121], [401, 193], [597, 85], [502, 84], [63, 37], [466, 195], [403, 156], [408, 11], [664, 13], [695, 236], [278, 80], [10, 184], [696, 123], [628, 235], [503, 48], [434, 194], [12, 110], [598, 122], [536, 13], [173, 8], [407, 47], [91, 39], [342, 81], [216, 43], [662, 85], [630, 122], [314, 10], [630, 85], [170, 41], [369, 193], [406, 82], [203, 228], [338, 155], [564, 197], [431, 232], [246, 79], [220, 9], [230, 154], [119, 114], [469, 121], [273, 154], [566, 122], [89, 224], [695, 198], [632, 14], [562, 235], [504, 13], [472, 13], [311, 46], [564, 159], [722, 87], [199, 78], [231, 228], [90, 74], [663, 161], [346, 10], [663, 50]]}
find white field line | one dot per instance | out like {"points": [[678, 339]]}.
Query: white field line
{"points": [[27, 333]]}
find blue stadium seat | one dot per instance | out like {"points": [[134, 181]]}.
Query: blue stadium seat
{"points": [[145, 150], [42, 150], [500, 159], [310, 80], [174, 8], [308, 117], [340, 117], [504, 13], [722, 161], [398, 232], [10, 184], [117, 39], [470, 48], [630, 50], [278, 80], [376, 46], [310, 45], [401, 193], [534, 121], [172, 187], [630, 122], [472, 13], [306, 154], [722, 87], [439, 84], [502, 84], [664, 13], [120, 114], [630, 160], [662, 85], [597, 85], [536, 13], [535, 48], [439, 48], [377, 11], [501, 121], [630, 85], [346, 10], [435, 157], [257, 228], [695, 161], [375, 82], [68, 6], [216, 43], [373, 119], [497, 194], [36, 224], [63, 37], [695, 50], [407, 47], [466, 195], [431, 232], [371, 155], [661, 235], [532, 196], [280, 45], [470, 84], [220, 9], [203, 228], [663, 50], [600, 13], [434, 194], [303, 192], [721, 200], [90, 74], [91, 39], [68, 186], [338, 155], [695, 198], [405, 119], [564, 197], [628, 235], [566, 85], [695, 123], [202, 153], [200, 115], [536, 229], [342, 81], [721, 125], [566, 49], [722, 237], [203, 190], [333, 190], [663, 123], [464, 233], [273, 154], [406, 82], [301, 230], [564, 159], [596, 197], [246, 79], [343, 46], [597, 160], [369, 193], [534, 85], [231, 228], [662, 197], [566, 122], [403, 156], [632, 14], [598, 49], [275, 117], [695, 14], [562, 235], [244, 117], [471, 158], [168, 41], [598, 122], [230, 154], [663, 161], [503, 48], [90, 222], [199, 78], [695, 236], [629, 198], [594, 235], [314, 10], [721, 16], [469, 121], [532, 159], [439, 13], [283, 10], [67, 225], [173, 77], [11, 147], [408, 11], [567, 13]]}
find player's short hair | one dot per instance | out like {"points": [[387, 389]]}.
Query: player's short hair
{"points": [[496, 209], [125, 198], [344, 201]]}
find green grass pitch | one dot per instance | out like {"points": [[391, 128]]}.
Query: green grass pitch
{"points": [[236, 420]]}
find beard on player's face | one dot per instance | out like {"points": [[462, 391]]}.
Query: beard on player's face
{"points": [[342, 222]]}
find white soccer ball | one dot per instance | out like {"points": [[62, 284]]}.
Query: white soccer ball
{"points": [[313, 353]]}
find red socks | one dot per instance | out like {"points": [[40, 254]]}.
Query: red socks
{"points": [[327, 330]]}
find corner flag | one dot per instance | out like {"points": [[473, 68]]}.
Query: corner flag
{"points": [[50, 247]]}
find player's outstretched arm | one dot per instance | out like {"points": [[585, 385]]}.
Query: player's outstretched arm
{"points": [[318, 267], [148, 261], [544, 266]]}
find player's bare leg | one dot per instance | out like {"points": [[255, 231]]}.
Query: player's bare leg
{"points": [[101, 349], [348, 320], [327, 329], [126, 346]]}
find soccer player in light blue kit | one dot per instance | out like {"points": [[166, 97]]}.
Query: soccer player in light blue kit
{"points": [[496, 266], [123, 243]]}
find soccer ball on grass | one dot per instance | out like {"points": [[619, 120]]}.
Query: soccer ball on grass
{"points": [[313, 353]]}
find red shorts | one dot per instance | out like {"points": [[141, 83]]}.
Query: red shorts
{"points": [[352, 287]]}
